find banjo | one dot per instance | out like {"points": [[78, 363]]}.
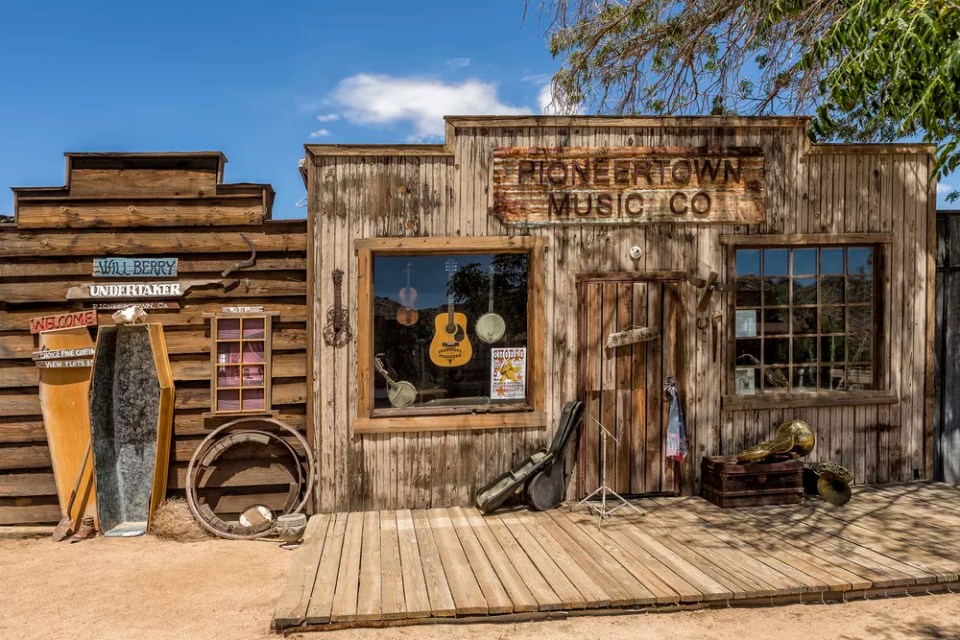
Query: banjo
{"points": [[490, 326], [401, 394]]}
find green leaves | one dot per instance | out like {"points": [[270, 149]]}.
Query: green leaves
{"points": [[872, 70]]}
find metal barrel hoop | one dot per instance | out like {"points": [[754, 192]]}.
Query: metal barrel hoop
{"points": [[210, 441]]}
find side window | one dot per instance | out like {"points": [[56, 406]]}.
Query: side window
{"points": [[241, 364], [805, 320]]}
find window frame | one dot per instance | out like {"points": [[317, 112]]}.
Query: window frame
{"points": [[392, 420], [267, 317], [880, 243]]}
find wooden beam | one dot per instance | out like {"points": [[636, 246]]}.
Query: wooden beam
{"points": [[812, 399], [516, 420], [796, 239], [107, 243]]}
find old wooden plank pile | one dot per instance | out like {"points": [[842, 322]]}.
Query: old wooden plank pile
{"points": [[404, 567]]}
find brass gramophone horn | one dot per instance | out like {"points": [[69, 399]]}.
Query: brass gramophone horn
{"points": [[828, 480], [793, 437]]}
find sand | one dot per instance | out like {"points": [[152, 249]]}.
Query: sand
{"points": [[149, 589]]}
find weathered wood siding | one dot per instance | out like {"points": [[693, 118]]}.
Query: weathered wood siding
{"points": [[947, 347], [37, 267], [362, 193]]}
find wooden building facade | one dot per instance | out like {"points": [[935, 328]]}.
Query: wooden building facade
{"points": [[781, 280], [69, 245]]}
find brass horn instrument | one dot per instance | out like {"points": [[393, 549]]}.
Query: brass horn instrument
{"points": [[793, 439], [828, 480]]}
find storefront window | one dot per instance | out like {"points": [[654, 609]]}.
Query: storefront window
{"points": [[805, 319], [450, 330]]}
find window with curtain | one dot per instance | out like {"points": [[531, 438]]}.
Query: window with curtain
{"points": [[241, 381]]}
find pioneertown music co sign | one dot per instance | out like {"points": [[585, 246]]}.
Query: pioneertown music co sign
{"points": [[627, 185]]}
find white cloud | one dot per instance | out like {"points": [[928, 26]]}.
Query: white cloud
{"points": [[545, 100], [320, 133], [549, 106], [944, 189], [328, 117], [381, 100], [458, 63]]}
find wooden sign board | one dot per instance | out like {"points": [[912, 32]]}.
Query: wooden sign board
{"points": [[632, 336], [535, 187], [110, 291], [86, 318], [135, 267], [145, 305], [62, 354], [257, 309], [64, 364]]}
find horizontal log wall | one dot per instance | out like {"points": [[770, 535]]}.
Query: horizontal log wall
{"points": [[37, 268], [444, 192]]}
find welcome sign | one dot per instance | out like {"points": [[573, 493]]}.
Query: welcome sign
{"points": [[627, 185]]}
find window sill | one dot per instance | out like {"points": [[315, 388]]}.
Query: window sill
{"points": [[239, 414], [816, 399], [451, 422]]}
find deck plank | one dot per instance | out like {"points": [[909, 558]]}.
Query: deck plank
{"points": [[547, 599], [590, 579], [637, 593], [661, 591], [521, 597], [570, 596], [348, 577], [321, 602], [416, 601], [498, 601], [391, 598], [466, 591], [369, 596], [438, 591], [291, 607]]}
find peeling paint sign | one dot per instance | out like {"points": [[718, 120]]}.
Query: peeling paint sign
{"points": [[135, 267], [87, 318]]}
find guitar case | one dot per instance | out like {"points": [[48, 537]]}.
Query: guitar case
{"points": [[541, 474]]}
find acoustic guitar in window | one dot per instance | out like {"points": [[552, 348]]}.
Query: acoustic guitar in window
{"points": [[450, 346]]}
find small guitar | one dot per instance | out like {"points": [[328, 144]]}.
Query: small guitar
{"points": [[400, 394], [450, 346], [490, 327], [407, 315], [337, 332]]}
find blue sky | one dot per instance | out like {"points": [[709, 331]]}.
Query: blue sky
{"points": [[249, 79], [255, 80]]}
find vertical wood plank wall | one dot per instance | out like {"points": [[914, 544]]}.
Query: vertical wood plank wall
{"points": [[947, 346], [843, 189], [38, 266]]}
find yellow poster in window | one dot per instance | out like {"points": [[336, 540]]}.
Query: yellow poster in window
{"points": [[508, 374]]}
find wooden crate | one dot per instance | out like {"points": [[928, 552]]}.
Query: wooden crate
{"points": [[728, 483]]}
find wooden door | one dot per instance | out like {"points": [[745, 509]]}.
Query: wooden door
{"points": [[623, 387]]}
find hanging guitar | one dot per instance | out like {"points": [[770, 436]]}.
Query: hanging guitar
{"points": [[336, 332], [450, 346], [490, 326], [400, 394], [407, 315]]}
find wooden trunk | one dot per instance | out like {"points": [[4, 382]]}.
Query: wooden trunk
{"points": [[728, 483]]}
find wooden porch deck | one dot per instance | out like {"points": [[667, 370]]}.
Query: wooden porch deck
{"points": [[444, 565]]}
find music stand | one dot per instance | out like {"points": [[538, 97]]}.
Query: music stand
{"points": [[603, 511]]}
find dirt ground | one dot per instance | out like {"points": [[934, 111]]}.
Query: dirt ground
{"points": [[150, 589]]}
